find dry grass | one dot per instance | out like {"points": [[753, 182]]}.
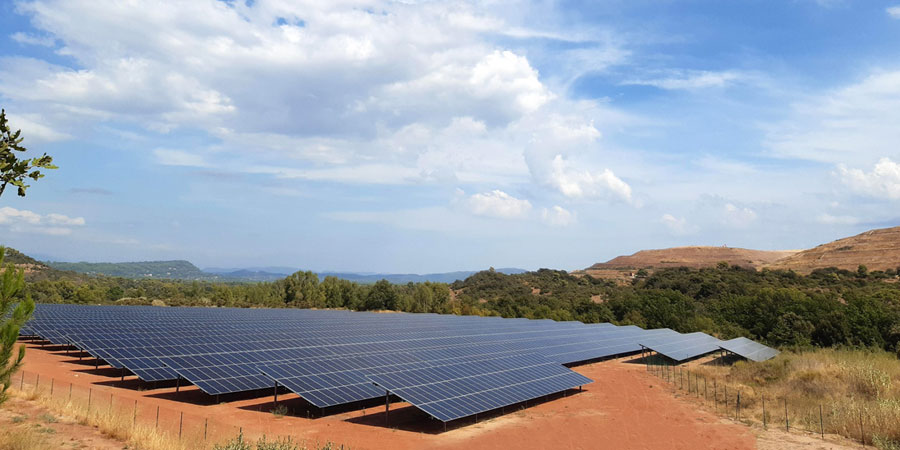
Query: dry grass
{"points": [[112, 424], [22, 438], [858, 392]]}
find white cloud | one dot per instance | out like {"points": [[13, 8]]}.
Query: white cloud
{"points": [[738, 216], [882, 182], [829, 219], [60, 219], [498, 204], [558, 216], [689, 80], [852, 124], [171, 157], [677, 225], [30, 39], [348, 96], [33, 130], [11, 216], [893, 11], [582, 183], [24, 221]]}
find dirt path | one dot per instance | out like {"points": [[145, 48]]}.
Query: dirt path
{"points": [[626, 408]]}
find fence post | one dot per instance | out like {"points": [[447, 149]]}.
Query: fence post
{"points": [[205, 427], [37, 382], [705, 392], [821, 423], [787, 423], [862, 433], [134, 415], [51, 387], [70, 392], [157, 417], [716, 393], [180, 423], [764, 412], [737, 407], [90, 393], [726, 400], [22, 382]]}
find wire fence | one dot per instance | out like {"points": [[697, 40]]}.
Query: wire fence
{"points": [[123, 416], [756, 409]]}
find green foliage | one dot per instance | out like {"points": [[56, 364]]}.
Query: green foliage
{"points": [[15, 310], [13, 170]]}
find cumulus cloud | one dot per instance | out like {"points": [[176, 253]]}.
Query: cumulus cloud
{"points": [[574, 182], [557, 216], [893, 11], [498, 204], [324, 91], [882, 182], [24, 221], [30, 39]]}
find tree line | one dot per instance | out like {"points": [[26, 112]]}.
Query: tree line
{"points": [[827, 308]]}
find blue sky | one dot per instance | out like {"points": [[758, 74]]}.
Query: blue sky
{"points": [[430, 136]]}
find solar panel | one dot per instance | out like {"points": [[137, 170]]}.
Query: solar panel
{"points": [[684, 346], [749, 349], [458, 390]]}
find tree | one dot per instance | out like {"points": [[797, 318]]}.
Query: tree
{"points": [[381, 296], [16, 310], [15, 171]]}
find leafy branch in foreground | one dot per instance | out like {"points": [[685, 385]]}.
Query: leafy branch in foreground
{"points": [[15, 171]]}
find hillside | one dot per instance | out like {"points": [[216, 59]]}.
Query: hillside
{"points": [[876, 249], [694, 257], [183, 270]]}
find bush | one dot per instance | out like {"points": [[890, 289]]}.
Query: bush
{"points": [[280, 444]]}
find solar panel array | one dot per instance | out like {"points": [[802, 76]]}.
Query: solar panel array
{"points": [[462, 389], [333, 357]]}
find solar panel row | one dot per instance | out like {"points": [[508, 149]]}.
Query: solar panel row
{"points": [[332, 357]]}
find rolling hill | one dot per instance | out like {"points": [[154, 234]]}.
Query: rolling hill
{"points": [[177, 269], [694, 257], [876, 249]]}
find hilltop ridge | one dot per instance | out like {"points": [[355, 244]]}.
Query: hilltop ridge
{"points": [[877, 249]]}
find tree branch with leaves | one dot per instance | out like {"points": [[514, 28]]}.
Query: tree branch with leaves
{"points": [[13, 170]]}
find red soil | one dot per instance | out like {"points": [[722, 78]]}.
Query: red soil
{"points": [[625, 408]]}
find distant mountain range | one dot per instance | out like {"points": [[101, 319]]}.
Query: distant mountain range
{"points": [[185, 270]]}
